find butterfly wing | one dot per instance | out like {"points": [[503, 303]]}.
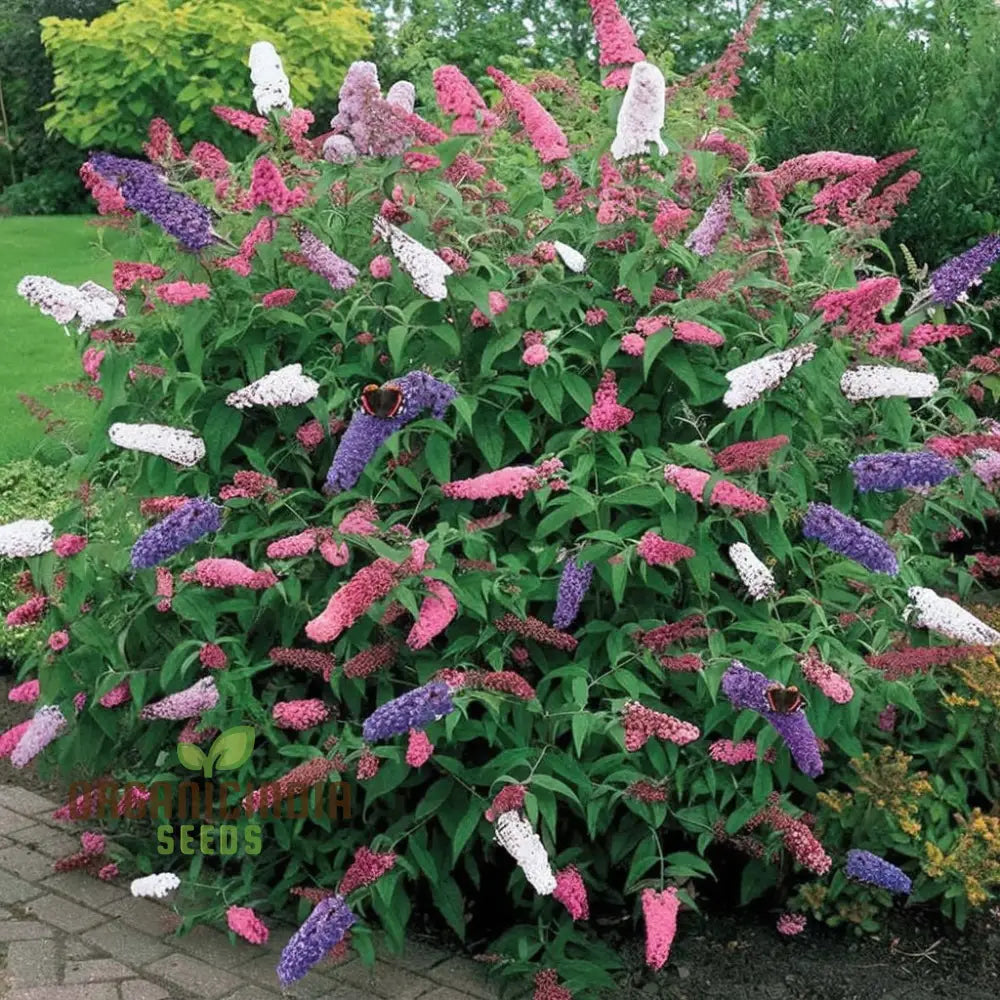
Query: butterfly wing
{"points": [[383, 402]]}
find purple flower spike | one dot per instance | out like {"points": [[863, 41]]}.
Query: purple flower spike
{"points": [[365, 434], [849, 538], [863, 866], [416, 709], [341, 274], [955, 277], [322, 929], [705, 236], [144, 190], [200, 697], [573, 586], [46, 724], [178, 530], [748, 689], [894, 470]]}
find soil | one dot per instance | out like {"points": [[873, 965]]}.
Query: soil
{"points": [[736, 954]]}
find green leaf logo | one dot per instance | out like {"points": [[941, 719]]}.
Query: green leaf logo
{"points": [[230, 750], [190, 756]]}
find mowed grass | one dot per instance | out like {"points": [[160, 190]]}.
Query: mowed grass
{"points": [[36, 353]]}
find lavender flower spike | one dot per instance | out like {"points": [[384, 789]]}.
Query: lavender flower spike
{"points": [[341, 274], [144, 190], [955, 277], [849, 538], [748, 689], [895, 470], [186, 704], [416, 709], [46, 724], [178, 530], [705, 236], [322, 929], [573, 586], [863, 866], [365, 434]]}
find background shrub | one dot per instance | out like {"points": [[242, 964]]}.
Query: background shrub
{"points": [[150, 58]]}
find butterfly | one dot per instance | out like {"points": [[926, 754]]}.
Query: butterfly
{"points": [[784, 700], [383, 401]]}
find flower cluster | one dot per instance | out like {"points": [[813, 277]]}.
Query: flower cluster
{"points": [[756, 577], [849, 538], [179, 529]]}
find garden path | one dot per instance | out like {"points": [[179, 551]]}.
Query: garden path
{"points": [[70, 937]]}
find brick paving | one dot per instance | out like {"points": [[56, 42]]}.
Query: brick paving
{"points": [[70, 937]]}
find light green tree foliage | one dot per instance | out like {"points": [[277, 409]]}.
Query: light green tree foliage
{"points": [[173, 59]]}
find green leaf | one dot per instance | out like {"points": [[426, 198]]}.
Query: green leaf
{"points": [[437, 451], [190, 756], [219, 431], [232, 748], [448, 900]]}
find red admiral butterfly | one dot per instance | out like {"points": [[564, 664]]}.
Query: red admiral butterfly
{"points": [[784, 700], [382, 401]]}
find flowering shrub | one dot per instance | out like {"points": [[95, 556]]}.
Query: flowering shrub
{"points": [[622, 610]]}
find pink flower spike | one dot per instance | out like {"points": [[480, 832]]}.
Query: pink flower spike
{"points": [[108, 872], [572, 893], [535, 355], [182, 293], [300, 715], [790, 924], [267, 187], [641, 724], [243, 922], [541, 129], [658, 551], [659, 910], [58, 641], [437, 611], [838, 689], [222, 573], [120, 694], [728, 752], [213, 657], [279, 297], [514, 481], [509, 797], [66, 546], [366, 868], [12, 737], [418, 748], [92, 843], [725, 494], [26, 692], [606, 414]]}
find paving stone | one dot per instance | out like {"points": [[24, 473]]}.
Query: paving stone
{"points": [[16, 890], [211, 945], [32, 963], [78, 885], [464, 975], [100, 991], [191, 974], [23, 801], [445, 993], [261, 972], [56, 843], [122, 941], [417, 956], [61, 913], [142, 989], [27, 863], [12, 822], [142, 914], [74, 948], [24, 930], [252, 993], [96, 971], [383, 980]]}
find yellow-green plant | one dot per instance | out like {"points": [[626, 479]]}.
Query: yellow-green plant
{"points": [[149, 58]]}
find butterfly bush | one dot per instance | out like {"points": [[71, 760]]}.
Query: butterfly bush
{"points": [[516, 591]]}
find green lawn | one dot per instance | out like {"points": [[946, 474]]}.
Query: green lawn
{"points": [[36, 351]]}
